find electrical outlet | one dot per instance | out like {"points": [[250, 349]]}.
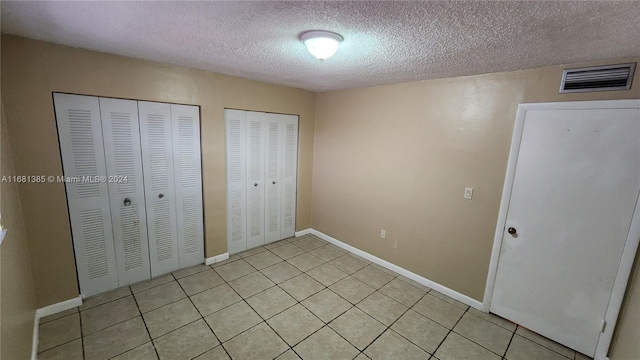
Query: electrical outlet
{"points": [[395, 244], [383, 233]]}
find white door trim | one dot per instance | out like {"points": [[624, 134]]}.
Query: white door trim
{"points": [[633, 239]]}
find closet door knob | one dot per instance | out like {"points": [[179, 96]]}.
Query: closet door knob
{"points": [[161, 196], [127, 202], [273, 182], [255, 184]]}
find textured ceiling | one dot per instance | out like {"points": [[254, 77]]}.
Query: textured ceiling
{"points": [[385, 42]]}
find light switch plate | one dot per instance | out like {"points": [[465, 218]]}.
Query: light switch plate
{"points": [[468, 193]]}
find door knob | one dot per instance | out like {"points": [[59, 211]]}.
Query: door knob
{"points": [[512, 230], [255, 184], [273, 182], [127, 202], [161, 196]]}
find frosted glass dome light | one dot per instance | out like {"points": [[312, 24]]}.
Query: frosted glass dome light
{"points": [[321, 44]]}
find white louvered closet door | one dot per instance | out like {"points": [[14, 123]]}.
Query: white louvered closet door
{"points": [[273, 171], [289, 175], [236, 181], [158, 169], [255, 131], [121, 133], [188, 183], [82, 149]]}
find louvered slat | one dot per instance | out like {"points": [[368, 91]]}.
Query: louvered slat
{"points": [[94, 243], [273, 177], [123, 154], [236, 180], [160, 190], [597, 78], [188, 185], [289, 176], [82, 149], [255, 133], [163, 231]]}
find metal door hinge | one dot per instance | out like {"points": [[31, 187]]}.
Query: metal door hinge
{"points": [[603, 326]]}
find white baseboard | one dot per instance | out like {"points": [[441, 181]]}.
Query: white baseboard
{"points": [[46, 311], [36, 334], [402, 271], [215, 259], [303, 232], [59, 307]]}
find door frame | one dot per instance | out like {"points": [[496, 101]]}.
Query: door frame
{"points": [[633, 238]]}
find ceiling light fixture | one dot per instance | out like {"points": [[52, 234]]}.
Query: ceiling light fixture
{"points": [[321, 44]]}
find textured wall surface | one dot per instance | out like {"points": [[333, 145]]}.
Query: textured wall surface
{"points": [[385, 42], [17, 292], [32, 70]]}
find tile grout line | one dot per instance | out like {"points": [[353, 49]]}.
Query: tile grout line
{"points": [[544, 346], [349, 302], [389, 327], [81, 334], [84, 355], [324, 287], [411, 308], [260, 316], [202, 316], [244, 300], [133, 295], [64, 343], [141, 318], [395, 276], [299, 302], [510, 340], [449, 333], [104, 303]]}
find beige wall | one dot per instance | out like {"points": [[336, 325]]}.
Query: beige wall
{"points": [[17, 293], [398, 157], [32, 70]]}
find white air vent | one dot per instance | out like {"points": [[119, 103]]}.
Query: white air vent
{"points": [[597, 78]]}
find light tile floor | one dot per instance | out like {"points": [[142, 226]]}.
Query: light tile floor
{"points": [[299, 298]]}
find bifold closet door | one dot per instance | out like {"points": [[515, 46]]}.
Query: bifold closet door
{"points": [[236, 179], [273, 171], [82, 149], [188, 183], [120, 128], [158, 169], [289, 175], [255, 135], [262, 159]]}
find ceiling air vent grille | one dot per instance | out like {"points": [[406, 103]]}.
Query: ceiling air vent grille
{"points": [[597, 78]]}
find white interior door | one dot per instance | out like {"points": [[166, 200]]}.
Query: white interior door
{"points": [[82, 149], [188, 183], [235, 126], [574, 191], [123, 157], [273, 176], [289, 175], [255, 130], [158, 169]]}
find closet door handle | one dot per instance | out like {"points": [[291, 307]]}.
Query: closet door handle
{"points": [[273, 182], [127, 202], [161, 196], [255, 184]]}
